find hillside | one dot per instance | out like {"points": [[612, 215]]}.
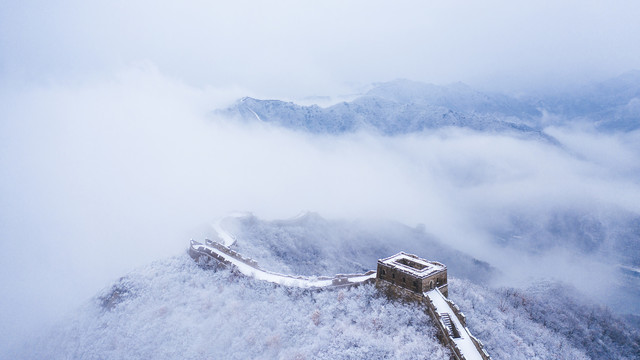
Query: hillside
{"points": [[175, 308], [403, 106]]}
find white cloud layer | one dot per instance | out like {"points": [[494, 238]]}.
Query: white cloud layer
{"points": [[100, 178]]}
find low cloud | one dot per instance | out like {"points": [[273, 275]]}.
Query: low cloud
{"points": [[99, 178]]}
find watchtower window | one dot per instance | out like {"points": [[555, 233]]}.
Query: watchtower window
{"points": [[404, 280], [393, 276], [415, 284]]}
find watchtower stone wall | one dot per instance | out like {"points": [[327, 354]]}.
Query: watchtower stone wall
{"points": [[413, 273]]}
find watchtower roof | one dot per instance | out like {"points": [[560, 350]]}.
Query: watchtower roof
{"points": [[409, 263]]}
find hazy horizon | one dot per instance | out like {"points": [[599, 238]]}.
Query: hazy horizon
{"points": [[286, 49]]}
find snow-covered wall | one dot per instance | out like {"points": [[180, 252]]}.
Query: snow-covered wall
{"points": [[226, 257]]}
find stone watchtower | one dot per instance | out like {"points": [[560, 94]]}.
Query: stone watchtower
{"points": [[413, 273], [425, 282]]}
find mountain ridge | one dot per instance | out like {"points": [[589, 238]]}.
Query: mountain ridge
{"points": [[404, 106]]}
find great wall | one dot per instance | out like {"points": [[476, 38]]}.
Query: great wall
{"points": [[403, 276]]}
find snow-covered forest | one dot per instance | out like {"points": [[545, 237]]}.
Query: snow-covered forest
{"points": [[178, 308]]}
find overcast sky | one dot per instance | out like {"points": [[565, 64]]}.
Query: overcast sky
{"points": [[109, 155], [296, 48]]}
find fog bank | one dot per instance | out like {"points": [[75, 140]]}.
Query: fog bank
{"points": [[102, 177]]}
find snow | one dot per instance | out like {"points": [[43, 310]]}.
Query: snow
{"points": [[174, 309], [400, 108], [429, 268], [229, 239], [630, 269], [464, 342], [286, 280], [254, 113], [362, 278], [177, 310]]}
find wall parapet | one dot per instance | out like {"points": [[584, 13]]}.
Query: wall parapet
{"points": [[448, 334], [451, 337], [232, 253]]}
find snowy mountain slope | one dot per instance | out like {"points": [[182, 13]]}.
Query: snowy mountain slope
{"points": [[174, 309], [612, 105], [399, 107], [177, 310], [379, 114], [458, 97], [525, 318], [403, 106], [602, 230]]}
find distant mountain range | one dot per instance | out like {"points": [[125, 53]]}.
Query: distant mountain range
{"points": [[612, 105], [403, 106]]}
